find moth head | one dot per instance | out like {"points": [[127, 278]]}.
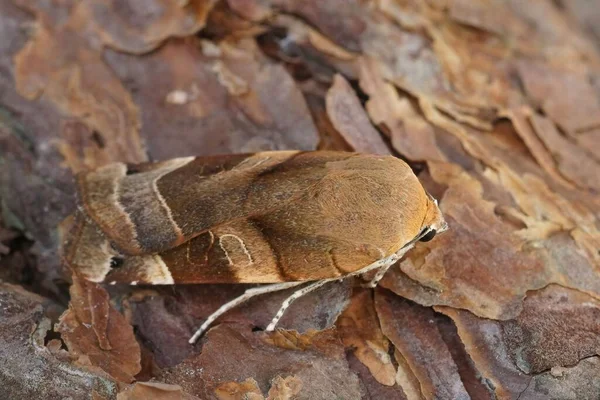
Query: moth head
{"points": [[434, 222]]}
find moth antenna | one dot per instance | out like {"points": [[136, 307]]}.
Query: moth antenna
{"points": [[248, 294], [296, 295]]}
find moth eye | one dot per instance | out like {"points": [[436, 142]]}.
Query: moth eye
{"points": [[116, 262], [428, 236]]}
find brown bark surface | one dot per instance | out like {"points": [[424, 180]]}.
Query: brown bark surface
{"points": [[495, 105]]}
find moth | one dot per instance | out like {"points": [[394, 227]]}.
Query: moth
{"points": [[282, 219]]}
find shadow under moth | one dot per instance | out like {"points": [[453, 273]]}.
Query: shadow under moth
{"points": [[281, 218]]}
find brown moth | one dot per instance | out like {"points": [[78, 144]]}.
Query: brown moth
{"points": [[282, 218]]}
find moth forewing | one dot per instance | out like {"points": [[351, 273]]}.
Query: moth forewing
{"points": [[282, 218]]}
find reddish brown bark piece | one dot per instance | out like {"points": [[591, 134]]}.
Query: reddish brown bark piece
{"points": [[557, 328], [6, 235], [449, 270], [456, 269], [31, 369], [215, 100], [79, 84], [494, 17], [281, 389], [161, 325], [579, 382], [350, 119], [154, 391], [133, 28], [320, 363], [125, 25], [36, 187], [285, 388], [165, 318], [359, 330], [411, 328], [413, 65], [411, 135], [470, 376], [97, 334], [373, 390], [589, 140], [573, 161], [247, 389], [250, 10], [342, 21], [566, 96], [535, 144]]}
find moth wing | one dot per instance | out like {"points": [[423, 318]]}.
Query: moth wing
{"points": [[239, 252], [157, 206]]}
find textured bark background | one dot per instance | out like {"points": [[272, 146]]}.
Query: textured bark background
{"points": [[496, 105]]}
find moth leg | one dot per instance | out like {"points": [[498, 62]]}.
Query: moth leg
{"points": [[296, 295], [380, 273], [384, 268], [248, 294]]}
